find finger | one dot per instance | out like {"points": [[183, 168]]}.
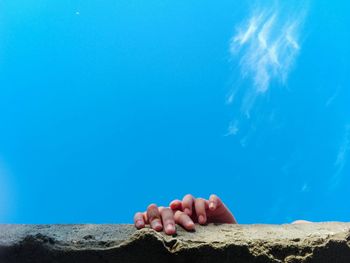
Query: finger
{"points": [[145, 217], [176, 205], [139, 220], [214, 202], [184, 220], [296, 222], [220, 213], [187, 204], [200, 206], [153, 216], [168, 220]]}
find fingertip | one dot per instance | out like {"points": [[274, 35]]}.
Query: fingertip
{"points": [[157, 226], [212, 196], [202, 220], [187, 204], [170, 229], [139, 220], [190, 225], [189, 196], [212, 205], [152, 206], [139, 224]]}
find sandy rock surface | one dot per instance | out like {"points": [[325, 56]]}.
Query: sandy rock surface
{"points": [[319, 242]]}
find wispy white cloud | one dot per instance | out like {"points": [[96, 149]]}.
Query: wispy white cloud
{"points": [[305, 188], [332, 98], [267, 45], [341, 159], [264, 49], [232, 128]]}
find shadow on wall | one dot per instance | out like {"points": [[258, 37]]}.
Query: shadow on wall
{"points": [[317, 242]]}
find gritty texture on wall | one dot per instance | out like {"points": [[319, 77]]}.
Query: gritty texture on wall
{"points": [[321, 242]]}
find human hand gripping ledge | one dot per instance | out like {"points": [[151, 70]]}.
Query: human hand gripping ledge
{"points": [[185, 212]]}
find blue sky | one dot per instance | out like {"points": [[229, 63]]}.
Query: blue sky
{"points": [[108, 106]]}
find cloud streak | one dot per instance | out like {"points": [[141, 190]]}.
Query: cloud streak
{"points": [[342, 158], [233, 128], [267, 44]]}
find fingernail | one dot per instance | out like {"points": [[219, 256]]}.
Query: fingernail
{"points": [[201, 219], [170, 229], [157, 226], [187, 211], [190, 225], [211, 206]]}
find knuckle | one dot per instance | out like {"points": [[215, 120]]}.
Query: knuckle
{"points": [[156, 220], [165, 210], [178, 214], [152, 214], [188, 196], [138, 214], [153, 218], [152, 206], [181, 217], [200, 200], [169, 221]]}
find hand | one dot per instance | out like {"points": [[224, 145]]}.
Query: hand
{"points": [[204, 211], [159, 218], [185, 213]]}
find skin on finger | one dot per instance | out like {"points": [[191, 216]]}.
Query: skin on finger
{"points": [[145, 217], [168, 220], [176, 205], [301, 222], [214, 202], [184, 220], [219, 212], [200, 206], [139, 220], [153, 216], [187, 204]]}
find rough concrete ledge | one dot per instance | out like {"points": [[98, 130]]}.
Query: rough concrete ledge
{"points": [[321, 242]]}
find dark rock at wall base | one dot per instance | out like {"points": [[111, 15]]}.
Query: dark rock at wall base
{"points": [[310, 243]]}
